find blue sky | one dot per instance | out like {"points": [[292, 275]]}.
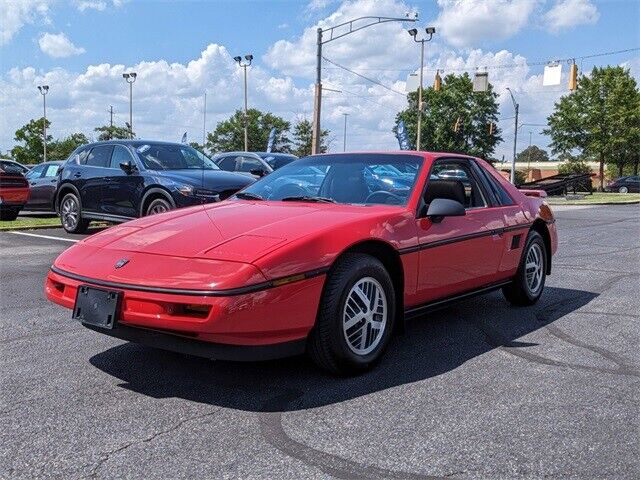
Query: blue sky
{"points": [[64, 42]]}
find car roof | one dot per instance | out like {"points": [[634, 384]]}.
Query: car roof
{"points": [[132, 142]]}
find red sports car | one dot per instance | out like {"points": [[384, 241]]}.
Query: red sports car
{"points": [[14, 194], [327, 255]]}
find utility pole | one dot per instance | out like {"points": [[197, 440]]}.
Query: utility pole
{"points": [[130, 78], [111, 116], [414, 33], [44, 89], [344, 140], [244, 65], [516, 106], [204, 122], [344, 29]]}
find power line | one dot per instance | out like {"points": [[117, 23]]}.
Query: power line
{"points": [[364, 77]]}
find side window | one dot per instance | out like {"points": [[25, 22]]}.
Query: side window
{"points": [[455, 178], [498, 191], [11, 167], [51, 171], [120, 155], [35, 172], [246, 164], [99, 156], [228, 163]]}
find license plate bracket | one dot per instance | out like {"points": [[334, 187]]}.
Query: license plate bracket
{"points": [[96, 306]]}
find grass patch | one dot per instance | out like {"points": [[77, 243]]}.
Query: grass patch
{"points": [[597, 198], [25, 223]]}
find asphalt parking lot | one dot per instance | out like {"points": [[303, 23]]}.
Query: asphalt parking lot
{"points": [[479, 390]]}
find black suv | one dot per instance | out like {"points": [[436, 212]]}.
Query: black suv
{"points": [[118, 180]]}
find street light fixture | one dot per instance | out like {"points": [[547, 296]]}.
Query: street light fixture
{"points": [[130, 78], [516, 107], [334, 33], [414, 33], [44, 89], [244, 65]]}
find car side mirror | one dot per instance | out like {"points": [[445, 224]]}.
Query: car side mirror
{"points": [[444, 207], [128, 167], [259, 172]]}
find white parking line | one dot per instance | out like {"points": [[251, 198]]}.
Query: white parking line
{"points": [[48, 237]]}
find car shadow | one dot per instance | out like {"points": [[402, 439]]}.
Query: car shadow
{"points": [[431, 346]]}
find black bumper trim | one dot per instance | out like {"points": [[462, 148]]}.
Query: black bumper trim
{"points": [[198, 348], [256, 287]]}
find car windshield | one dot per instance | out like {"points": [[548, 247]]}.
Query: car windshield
{"points": [[363, 179], [161, 156]]}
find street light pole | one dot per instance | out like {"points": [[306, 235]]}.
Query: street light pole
{"points": [[204, 122], [344, 140], [244, 65], [414, 33], [344, 29], [130, 78], [44, 89], [516, 106]]}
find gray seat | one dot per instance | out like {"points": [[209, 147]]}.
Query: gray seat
{"points": [[345, 184]]}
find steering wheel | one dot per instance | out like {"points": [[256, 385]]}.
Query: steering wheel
{"points": [[290, 190], [379, 193]]}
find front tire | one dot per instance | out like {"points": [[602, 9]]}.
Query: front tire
{"points": [[623, 190], [159, 205], [528, 284], [355, 318], [9, 214], [71, 215]]}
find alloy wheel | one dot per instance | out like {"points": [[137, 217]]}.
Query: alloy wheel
{"points": [[534, 268], [623, 190], [158, 207], [69, 213], [364, 316]]}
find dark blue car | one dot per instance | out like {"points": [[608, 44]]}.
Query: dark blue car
{"points": [[118, 180]]}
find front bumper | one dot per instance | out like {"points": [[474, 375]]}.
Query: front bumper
{"points": [[273, 315]]}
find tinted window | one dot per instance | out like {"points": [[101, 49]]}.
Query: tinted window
{"points": [[166, 156], [52, 170], [11, 167], [500, 194], [459, 171], [228, 163], [35, 172], [99, 156], [246, 164], [120, 155]]}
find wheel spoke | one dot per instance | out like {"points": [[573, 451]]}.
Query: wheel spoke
{"points": [[364, 316]]}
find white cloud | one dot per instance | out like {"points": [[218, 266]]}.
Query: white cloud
{"points": [[570, 13], [91, 5], [57, 45], [315, 5], [14, 14], [467, 22]]}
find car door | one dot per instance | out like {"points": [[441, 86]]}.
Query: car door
{"points": [[457, 254], [121, 190], [90, 178], [34, 176]]}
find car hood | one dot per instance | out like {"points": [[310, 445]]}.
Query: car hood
{"points": [[216, 180], [240, 231]]}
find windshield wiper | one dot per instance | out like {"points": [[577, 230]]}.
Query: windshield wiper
{"points": [[308, 198], [248, 196]]}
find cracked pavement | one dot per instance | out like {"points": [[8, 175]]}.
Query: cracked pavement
{"points": [[478, 390]]}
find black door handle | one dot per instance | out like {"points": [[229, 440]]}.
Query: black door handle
{"points": [[32, 183], [77, 174]]}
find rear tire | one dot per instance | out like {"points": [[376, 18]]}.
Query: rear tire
{"points": [[9, 214], [528, 284], [355, 317], [623, 190], [158, 205], [71, 214]]}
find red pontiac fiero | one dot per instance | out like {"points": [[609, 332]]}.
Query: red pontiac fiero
{"points": [[327, 255]]}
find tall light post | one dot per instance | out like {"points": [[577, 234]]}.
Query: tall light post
{"points": [[516, 106], [414, 33], [130, 78], [344, 140], [44, 89], [244, 65], [334, 33]]}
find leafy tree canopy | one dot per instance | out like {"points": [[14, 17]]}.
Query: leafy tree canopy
{"points": [[110, 132], [29, 138], [302, 138], [228, 135], [601, 118], [456, 100], [62, 148], [533, 154]]}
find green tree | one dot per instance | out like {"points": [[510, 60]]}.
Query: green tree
{"points": [[533, 154], [61, 149], [29, 137], [573, 164], [601, 118], [302, 137], [476, 111], [228, 135], [109, 132]]}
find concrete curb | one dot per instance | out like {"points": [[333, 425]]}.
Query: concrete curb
{"points": [[576, 204], [28, 227]]}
